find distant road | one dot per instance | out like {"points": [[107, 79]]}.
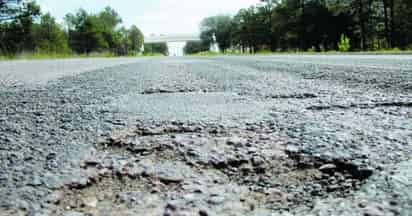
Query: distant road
{"points": [[41, 71]]}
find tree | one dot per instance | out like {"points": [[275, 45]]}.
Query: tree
{"points": [[86, 32], [156, 48], [401, 23], [193, 47], [136, 38], [49, 37], [109, 19], [221, 27], [16, 21], [16, 9], [315, 24]]}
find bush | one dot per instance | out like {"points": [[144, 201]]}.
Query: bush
{"points": [[207, 53], [344, 43]]}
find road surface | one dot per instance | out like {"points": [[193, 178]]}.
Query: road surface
{"points": [[261, 135]]}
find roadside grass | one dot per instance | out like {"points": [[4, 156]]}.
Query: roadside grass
{"points": [[151, 54], [309, 52], [207, 53], [42, 56]]}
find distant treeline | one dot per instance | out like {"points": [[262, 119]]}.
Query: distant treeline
{"points": [[23, 28], [313, 25]]}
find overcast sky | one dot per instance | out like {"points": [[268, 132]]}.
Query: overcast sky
{"points": [[152, 16]]}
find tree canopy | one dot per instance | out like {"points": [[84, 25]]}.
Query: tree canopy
{"points": [[193, 47], [314, 25], [22, 29], [101, 32]]}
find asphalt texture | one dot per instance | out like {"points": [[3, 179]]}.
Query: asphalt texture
{"points": [[261, 135]]}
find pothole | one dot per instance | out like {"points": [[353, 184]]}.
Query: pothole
{"points": [[175, 168]]}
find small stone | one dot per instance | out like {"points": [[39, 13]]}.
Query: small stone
{"points": [[257, 161], [73, 213], [364, 173], [168, 174], [169, 179], [275, 194], [252, 150], [203, 213], [333, 187], [35, 182], [170, 209], [327, 168], [236, 141], [104, 172], [92, 161], [79, 182], [3, 176], [362, 204], [51, 181], [90, 202], [373, 211], [129, 197], [393, 203], [55, 197], [135, 171], [264, 137], [216, 200]]}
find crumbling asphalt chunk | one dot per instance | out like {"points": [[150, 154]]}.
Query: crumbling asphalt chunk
{"points": [[193, 167]]}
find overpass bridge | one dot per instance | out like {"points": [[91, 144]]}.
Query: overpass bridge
{"points": [[175, 42], [172, 38]]}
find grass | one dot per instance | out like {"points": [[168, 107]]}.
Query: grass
{"points": [[41, 55], [152, 54], [394, 51], [207, 53]]}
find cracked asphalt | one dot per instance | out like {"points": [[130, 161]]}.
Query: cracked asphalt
{"points": [[230, 135]]}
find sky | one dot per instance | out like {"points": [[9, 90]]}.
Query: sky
{"points": [[152, 16]]}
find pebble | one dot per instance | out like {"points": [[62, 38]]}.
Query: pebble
{"points": [[373, 211], [275, 194], [90, 202], [327, 168], [54, 197], [128, 197], [216, 200], [236, 141], [73, 213], [257, 161], [78, 182], [203, 213]]}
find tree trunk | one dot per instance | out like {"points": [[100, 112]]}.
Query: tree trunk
{"points": [[362, 24], [387, 30], [302, 30], [392, 20]]}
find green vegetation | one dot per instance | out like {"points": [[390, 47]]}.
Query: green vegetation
{"points": [[27, 33], [155, 49], [314, 26], [344, 43], [208, 53], [220, 26], [193, 47]]}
